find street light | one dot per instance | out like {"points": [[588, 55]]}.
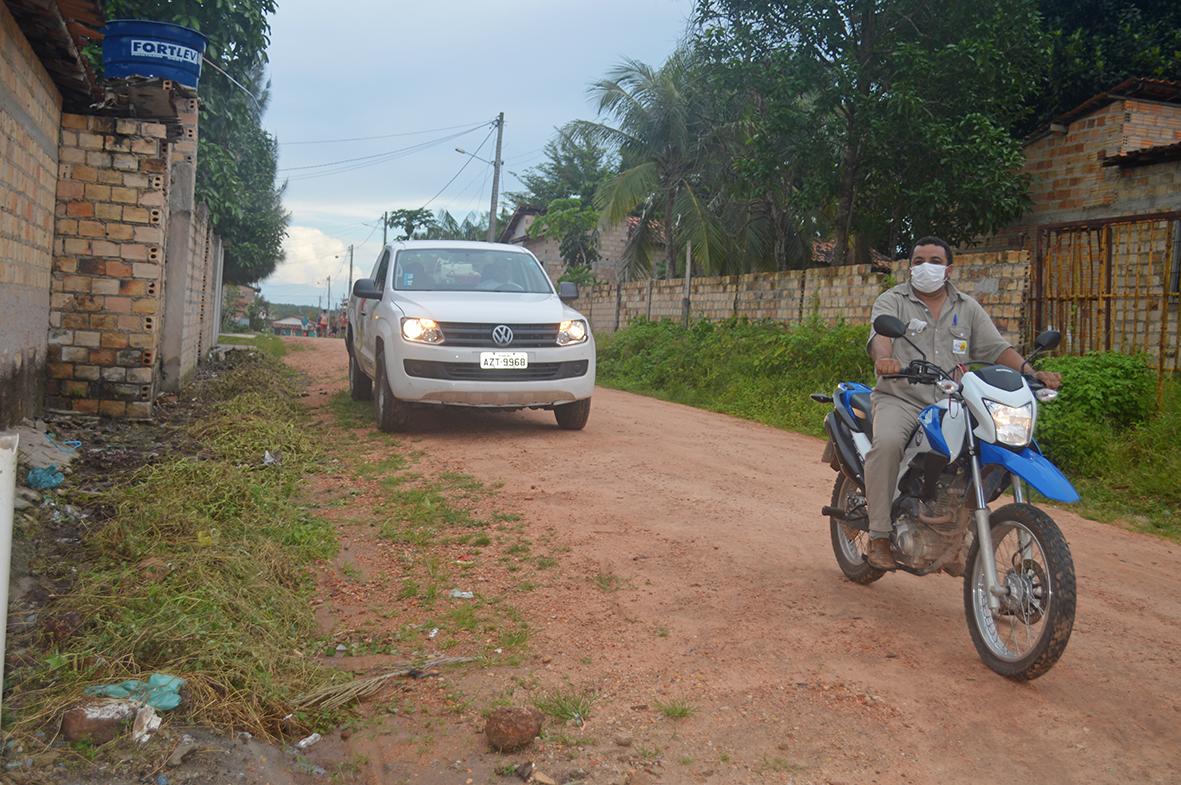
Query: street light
{"points": [[461, 151]]}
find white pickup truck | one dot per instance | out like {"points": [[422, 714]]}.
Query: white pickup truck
{"points": [[467, 324]]}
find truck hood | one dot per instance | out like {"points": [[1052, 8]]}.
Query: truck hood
{"points": [[485, 307]]}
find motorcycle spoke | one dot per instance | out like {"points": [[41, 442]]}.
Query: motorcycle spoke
{"points": [[1016, 628]]}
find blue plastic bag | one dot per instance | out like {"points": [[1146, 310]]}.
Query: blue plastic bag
{"points": [[44, 478], [161, 691]]}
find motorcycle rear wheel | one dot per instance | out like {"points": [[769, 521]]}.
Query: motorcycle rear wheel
{"points": [[1029, 633], [848, 543]]}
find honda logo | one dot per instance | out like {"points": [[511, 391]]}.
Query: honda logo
{"points": [[502, 335]]}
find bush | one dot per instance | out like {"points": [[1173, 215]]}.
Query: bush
{"points": [[758, 370]]}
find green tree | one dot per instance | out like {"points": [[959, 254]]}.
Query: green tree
{"points": [[412, 224], [662, 141], [574, 165], [1099, 43], [905, 104], [575, 227], [235, 158]]}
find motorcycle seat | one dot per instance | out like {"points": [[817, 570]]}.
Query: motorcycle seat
{"points": [[862, 412]]}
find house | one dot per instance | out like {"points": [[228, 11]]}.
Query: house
{"points": [[292, 325], [1103, 228], [238, 302], [612, 242]]}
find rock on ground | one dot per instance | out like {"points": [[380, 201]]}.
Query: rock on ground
{"points": [[512, 728]]}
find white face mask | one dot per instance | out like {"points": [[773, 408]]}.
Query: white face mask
{"points": [[928, 277]]}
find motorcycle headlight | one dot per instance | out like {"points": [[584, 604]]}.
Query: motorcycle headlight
{"points": [[421, 330], [571, 332], [1013, 423]]}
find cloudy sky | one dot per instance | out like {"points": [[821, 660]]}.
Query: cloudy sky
{"points": [[428, 77]]}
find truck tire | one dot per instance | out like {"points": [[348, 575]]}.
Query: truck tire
{"points": [[393, 416], [360, 385], [573, 416]]}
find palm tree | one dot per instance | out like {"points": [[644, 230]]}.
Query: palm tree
{"points": [[662, 139]]}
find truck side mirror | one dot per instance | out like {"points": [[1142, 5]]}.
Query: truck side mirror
{"points": [[567, 290], [366, 289]]}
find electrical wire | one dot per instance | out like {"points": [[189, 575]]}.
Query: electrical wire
{"points": [[370, 159], [471, 157], [385, 136]]}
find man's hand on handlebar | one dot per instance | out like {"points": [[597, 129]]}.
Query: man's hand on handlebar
{"points": [[885, 366], [1049, 378]]}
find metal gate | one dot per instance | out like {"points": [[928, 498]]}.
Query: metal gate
{"points": [[1111, 285]]}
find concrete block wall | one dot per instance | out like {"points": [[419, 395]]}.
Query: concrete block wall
{"points": [[107, 288], [999, 280], [30, 112]]}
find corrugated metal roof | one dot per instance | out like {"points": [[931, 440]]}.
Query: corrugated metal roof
{"points": [[1146, 156]]}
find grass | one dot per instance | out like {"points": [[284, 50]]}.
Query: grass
{"points": [[567, 705], [270, 345], [1122, 452], [202, 571], [675, 709], [607, 581]]}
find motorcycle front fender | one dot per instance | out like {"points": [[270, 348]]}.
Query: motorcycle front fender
{"points": [[1033, 467]]}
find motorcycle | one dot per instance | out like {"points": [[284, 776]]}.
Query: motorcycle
{"points": [[971, 446]]}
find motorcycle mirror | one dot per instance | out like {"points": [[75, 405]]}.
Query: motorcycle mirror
{"points": [[889, 326], [1047, 340]]}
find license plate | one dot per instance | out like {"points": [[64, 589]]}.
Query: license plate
{"points": [[501, 360]]}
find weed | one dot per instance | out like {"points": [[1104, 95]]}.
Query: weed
{"points": [[464, 617], [685, 760], [409, 589], [352, 572], [662, 632], [675, 709], [607, 581], [567, 705], [545, 562], [777, 764]]}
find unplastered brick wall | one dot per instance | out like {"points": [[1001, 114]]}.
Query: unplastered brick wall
{"points": [[107, 288], [999, 280], [30, 111]]}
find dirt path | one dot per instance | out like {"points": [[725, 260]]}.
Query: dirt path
{"points": [[700, 570]]}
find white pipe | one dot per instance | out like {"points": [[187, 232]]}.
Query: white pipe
{"points": [[8, 451]]}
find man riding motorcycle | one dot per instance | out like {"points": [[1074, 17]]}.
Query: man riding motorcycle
{"points": [[951, 328]]}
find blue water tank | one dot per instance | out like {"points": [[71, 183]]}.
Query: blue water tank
{"points": [[134, 47]]}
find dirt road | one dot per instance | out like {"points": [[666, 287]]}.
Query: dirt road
{"points": [[725, 595]]}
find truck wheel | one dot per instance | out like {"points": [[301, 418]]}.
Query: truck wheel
{"points": [[573, 416], [360, 385], [393, 416]]}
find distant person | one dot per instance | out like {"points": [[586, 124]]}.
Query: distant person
{"points": [[305, 324], [322, 330]]}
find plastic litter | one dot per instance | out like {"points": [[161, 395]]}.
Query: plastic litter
{"points": [[147, 722], [462, 595], [434, 631], [44, 478], [271, 459], [307, 741], [161, 691]]}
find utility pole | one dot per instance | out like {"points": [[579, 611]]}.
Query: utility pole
{"points": [[330, 298], [385, 225], [688, 281], [496, 162], [350, 291]]}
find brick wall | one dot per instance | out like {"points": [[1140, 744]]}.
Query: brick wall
{"points": [[107, 285], [999, 280], [30, 110], [1068, 181], [612, 241]]}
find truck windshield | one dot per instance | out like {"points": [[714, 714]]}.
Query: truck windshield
{"points": [[469, 270]]}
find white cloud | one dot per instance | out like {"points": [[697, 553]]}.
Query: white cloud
{"points": [[311, 256]]}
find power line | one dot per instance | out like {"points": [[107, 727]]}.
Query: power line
{"points": [[369, 159], [383, 136], [471, 157]]}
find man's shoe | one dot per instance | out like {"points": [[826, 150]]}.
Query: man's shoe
{"points": [[879, 554]]}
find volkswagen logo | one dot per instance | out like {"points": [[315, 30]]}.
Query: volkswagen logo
{"points": [[502, 335]]}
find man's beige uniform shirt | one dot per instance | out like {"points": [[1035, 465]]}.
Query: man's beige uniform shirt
{"points": [[962, 333]]}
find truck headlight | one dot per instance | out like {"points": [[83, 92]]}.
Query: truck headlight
{"points": [[571, 332], [421, 330], [1013, 423]]}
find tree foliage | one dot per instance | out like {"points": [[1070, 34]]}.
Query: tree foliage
{"points": [[236, 157], [575, 225], [574, 166], [1096, 44], [887, 118]]}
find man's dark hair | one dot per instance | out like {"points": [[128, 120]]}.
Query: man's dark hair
{"points": [[932, 240]]}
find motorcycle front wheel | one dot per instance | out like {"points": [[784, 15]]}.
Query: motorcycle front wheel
{"points": [[1028, 633]]}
